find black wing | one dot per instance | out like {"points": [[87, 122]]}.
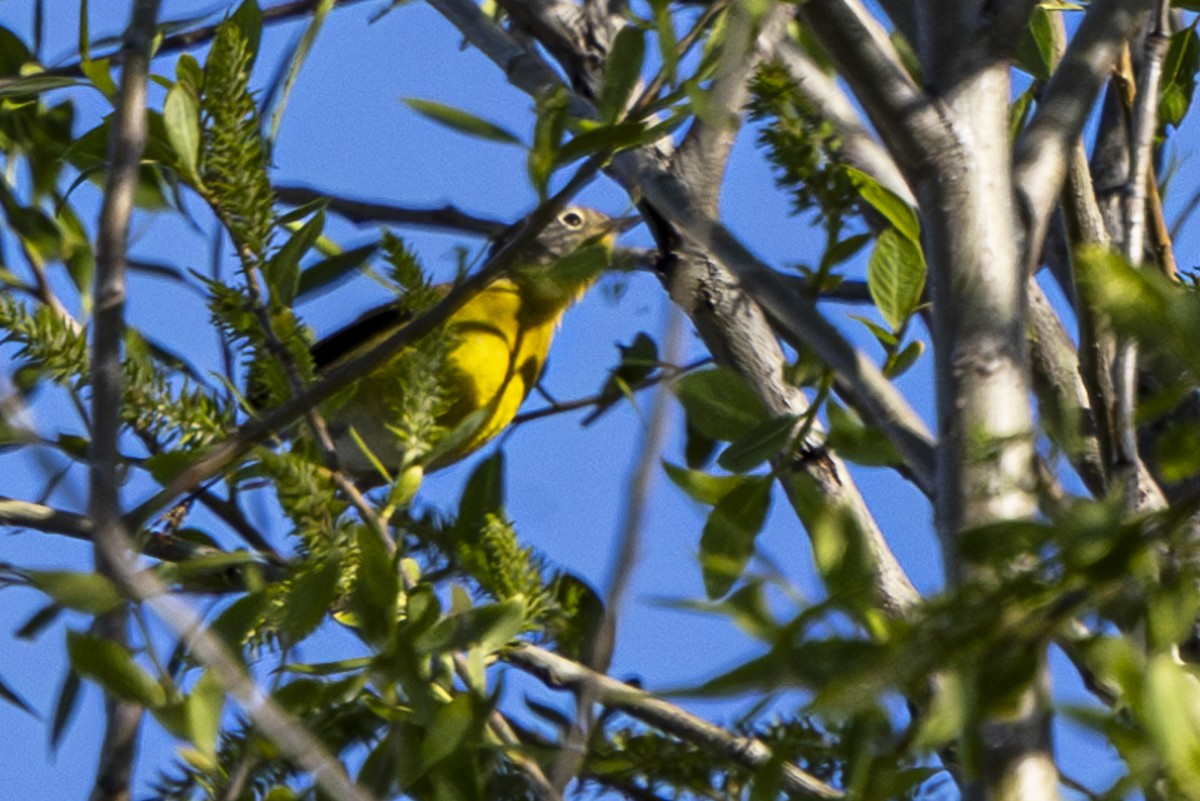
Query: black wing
{"points": [[363, 330]]}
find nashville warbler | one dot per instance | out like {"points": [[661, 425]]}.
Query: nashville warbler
{"points": [[497, 347]]}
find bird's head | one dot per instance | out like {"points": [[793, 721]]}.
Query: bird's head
{"points": [[567, 257]]}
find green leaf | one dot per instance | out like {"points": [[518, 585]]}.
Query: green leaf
{"points": [[899, 362], [698, 448], [202, 712], [449, 729], [90, 593], [668, 44], [622, 69], [310, 598], [1163, 315], [843, 250], [110, 665], [189, 73], [328, 271], [282, 270], [1171, 715], [896, 277], [462, 121], [240, 618], [1180, 65], [166, 465], [487, 628], [99, 72], [1035, 51], [639, 360], [181, 114], [36, 85], [719, 403], [376, 591], [856, 442], [700, 486], [759, 444], [482, 495], [13, 53], [548, 130], [727, 542], [893, 207], [607, 139], [249, 19], [1019, 113]]}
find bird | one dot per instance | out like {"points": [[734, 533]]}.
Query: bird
{"points": [[499, 341]]}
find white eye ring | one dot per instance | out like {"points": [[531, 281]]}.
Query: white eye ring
{"points": [[571, 219]]}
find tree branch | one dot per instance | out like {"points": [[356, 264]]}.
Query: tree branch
{"points": [[1133, 246], [557, 671], [903, 14], [364, 212], [701, 159], [123, 718], [1043, 149], [571, 756]]}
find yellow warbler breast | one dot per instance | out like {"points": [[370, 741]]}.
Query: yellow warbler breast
{"points": [[497, 360]]}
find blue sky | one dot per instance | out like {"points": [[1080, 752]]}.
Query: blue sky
{"points": [[347, 132]]}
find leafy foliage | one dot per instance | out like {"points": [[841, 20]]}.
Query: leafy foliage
{"points": [[389, 628]]}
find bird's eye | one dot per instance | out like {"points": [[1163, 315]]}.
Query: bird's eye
{"points": [[572, 219]]}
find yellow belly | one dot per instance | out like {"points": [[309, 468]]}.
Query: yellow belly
{"points": [[497, 361], [498, 358]]}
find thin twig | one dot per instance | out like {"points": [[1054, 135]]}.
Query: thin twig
{"points": [[571, 757], [603, 399], [186, 40], [365, 212]]}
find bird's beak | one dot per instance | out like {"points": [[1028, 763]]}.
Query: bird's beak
{"points": [[623, 224]]}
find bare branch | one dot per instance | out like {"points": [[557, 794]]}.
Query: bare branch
{"points": [[749, 753], [523, 67], [1145, 123], [123, 718], [1044, 147], [24, 514], [167, 548], [700, 162], [1066, 408]]}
